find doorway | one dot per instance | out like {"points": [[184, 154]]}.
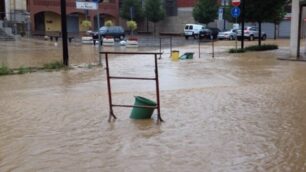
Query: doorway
{"points": [[2, 9]]}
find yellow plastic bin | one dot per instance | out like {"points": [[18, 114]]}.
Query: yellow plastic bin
{"points": [[175, 55]]}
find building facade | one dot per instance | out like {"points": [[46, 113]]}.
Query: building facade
{"points": [[45, 15], [179, 13], [14, 16], [13, 10]]}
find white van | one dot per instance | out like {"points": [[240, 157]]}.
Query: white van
{"points": [[192, 30]]}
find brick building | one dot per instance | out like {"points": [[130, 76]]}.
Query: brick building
{"points": [[179, 13], [46, 15]]}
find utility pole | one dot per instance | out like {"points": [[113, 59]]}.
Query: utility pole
{"points": [[64, 33], [242, 23], [224, 21]]}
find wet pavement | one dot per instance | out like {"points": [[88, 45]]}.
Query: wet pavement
{"points": [[232, 113]]}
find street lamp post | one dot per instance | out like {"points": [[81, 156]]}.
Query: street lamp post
{"points": [[99, 36], [224, 21]]}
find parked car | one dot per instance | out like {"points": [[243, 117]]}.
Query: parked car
{"points": [[209, 33], [192, 30], [214, 32], [251, 33], [112, 31], [205, 33], [229, 34]]}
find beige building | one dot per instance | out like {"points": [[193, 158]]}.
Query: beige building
{"points": [[15, 10]]}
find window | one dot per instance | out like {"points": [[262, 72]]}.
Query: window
{"points": [[171, 7]]}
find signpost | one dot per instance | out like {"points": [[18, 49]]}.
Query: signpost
{"points": [[86, 5], [94, 5], [220, 13], [235, 11]]}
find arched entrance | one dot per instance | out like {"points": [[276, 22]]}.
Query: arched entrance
{"points": [[103, 18], [39, 21], [73, 25]]}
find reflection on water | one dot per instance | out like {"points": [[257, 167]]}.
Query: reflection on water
{"points": [[235, 114]]}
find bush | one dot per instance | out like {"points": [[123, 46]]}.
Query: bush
{"points": [[264, 47], [132, 25], [54, 65], [234, 50], [4, 70], [108, 23], [86, 24], [23, 70]]}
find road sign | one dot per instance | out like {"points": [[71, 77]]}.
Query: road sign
{"points": [[220, 13], [235, 3], [235, 11], [86, 5]]}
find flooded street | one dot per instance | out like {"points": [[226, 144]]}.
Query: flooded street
{"points": [[232, 113]]}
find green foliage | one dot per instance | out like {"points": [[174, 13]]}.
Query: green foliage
{"points": [[108, 23], [234, 50], [138, 14], [261, 10], [205, 11], [278, 13], [54, 65], [23, 70], [4, 70], [86, 24], [132, 25], [264, 47], [154, 10]]}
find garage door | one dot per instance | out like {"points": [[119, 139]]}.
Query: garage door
{"points": [[73, 24], [284, 29]]}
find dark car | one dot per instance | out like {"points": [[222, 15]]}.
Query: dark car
{"points": [[205, 33], [214, 32], [209, 33], [112, 31]]}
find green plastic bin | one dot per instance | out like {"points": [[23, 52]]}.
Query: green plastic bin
{"points": [[142, 113], [188, 55]]}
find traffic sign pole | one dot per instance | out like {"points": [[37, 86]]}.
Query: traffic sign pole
{"points": [[99, 36], [235, 11]]}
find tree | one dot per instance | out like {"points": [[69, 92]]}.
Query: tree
{"points": [[132, 25], [262, 10], [154, 11], [278, 18], [205, 11], [134, 7], [86, 24], [108, 23]]}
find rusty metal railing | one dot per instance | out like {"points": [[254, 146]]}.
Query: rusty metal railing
{"points": [[109, 77]]}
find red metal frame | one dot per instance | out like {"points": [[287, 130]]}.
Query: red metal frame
{"points": [[156, 78]]}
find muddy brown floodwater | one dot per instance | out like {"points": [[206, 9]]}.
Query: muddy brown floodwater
{"points": [[233, 113]]}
